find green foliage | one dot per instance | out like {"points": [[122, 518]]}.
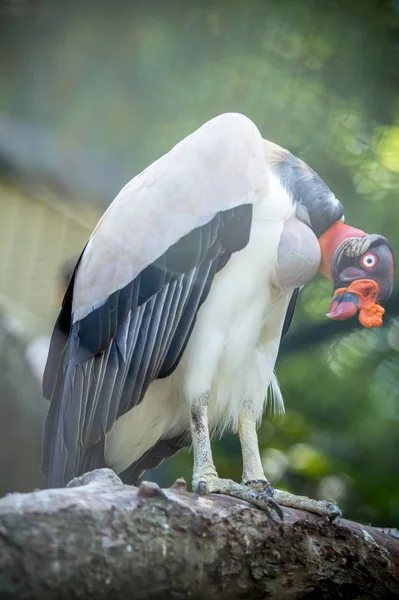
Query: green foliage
{"points": [[320, 78]]}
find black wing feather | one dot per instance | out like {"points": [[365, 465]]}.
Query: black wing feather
{"points": [[101, 366], [153, 457], [290, 312]]}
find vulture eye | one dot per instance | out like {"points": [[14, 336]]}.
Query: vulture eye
{"points": [[369, 260]]}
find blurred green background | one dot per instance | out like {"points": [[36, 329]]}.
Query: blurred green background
{"points": [[92, 92]]}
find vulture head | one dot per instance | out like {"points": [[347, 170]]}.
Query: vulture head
{"points": [[361, 268]]}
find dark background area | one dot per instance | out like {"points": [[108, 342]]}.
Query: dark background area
{"points": [[92, 92]]}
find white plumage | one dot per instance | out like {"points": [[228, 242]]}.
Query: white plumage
{"points": [[234, 345]]}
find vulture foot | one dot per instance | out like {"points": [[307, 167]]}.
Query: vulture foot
{"points": [[263, 492], [257, 492], [319, 507]]}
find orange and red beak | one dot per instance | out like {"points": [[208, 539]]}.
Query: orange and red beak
{"points": [[360, 296], [363, 290]]}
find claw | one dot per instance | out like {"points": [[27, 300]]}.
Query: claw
{"points": [[266, 495], [277, 508], [336, 514], [202, 487]]}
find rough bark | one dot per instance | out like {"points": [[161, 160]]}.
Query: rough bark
{"points": [[101, 539]]}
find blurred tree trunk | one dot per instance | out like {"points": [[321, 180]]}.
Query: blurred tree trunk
{"points": [[22, 413], [101, 539]]}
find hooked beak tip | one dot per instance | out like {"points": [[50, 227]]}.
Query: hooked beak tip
{"points": [[343, 307]]}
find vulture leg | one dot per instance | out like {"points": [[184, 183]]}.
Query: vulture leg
{"points": [[253, 476], [205, 477], [252, 464], [204, 470]]}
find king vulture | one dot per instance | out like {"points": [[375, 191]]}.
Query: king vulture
{"points": [[170, 328]]}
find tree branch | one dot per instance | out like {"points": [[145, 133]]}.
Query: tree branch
{"points": [[315, 334], [101, 539]]}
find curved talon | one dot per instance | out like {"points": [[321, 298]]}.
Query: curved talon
{"points": [[266, 495], [269, 491], [202, 487], [336, 514], [268, 499], [275, 505]]}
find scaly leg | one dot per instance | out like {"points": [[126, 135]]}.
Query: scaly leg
{"points": [[205, 477], [253, 475], [255, 488], [204, 471], [252, 465]]}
